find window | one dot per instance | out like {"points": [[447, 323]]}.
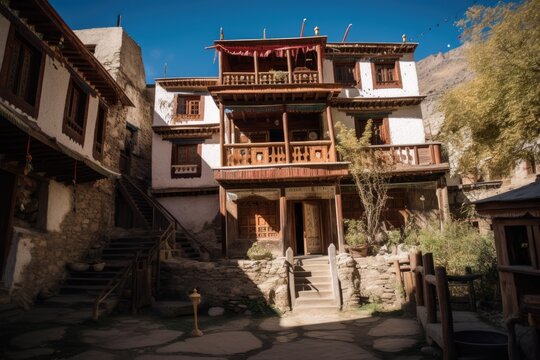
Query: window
{"points": [[189, 108], [258, 219], [380, 134], [386, 74], [518, 243], [21, 74], [186, 160], [75, 113], [99, 135], [346, 73]]}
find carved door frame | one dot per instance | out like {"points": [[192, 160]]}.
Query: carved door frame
{"points": [[319, 228]]}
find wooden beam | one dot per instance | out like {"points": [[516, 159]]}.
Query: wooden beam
{"points": [[223, 219], [330, 122], [320, 63], [220, 65], [256, 66], [289, 66], [286, 135], [283, 221], [222, 133]]}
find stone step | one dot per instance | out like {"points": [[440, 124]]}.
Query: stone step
{"points": [[304, 309], [318, 287], [312, 267], [307, 302], [313, 280], [314, 294], [79, 300], [313, 261], [305, 273]]}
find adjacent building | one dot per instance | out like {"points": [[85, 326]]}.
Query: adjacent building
{"points": [[251, 155]]}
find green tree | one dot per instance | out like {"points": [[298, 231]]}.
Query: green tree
{"points": [[370, 170], [493, 121]]}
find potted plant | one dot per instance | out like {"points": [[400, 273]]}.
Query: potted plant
{"points": [[259, 252], [356, 237]]}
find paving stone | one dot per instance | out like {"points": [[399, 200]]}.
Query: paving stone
{"points": [[31, 353], [396, 327], [329, 326], [271, 324], [216, 311], [176, 357], [309, 349], [338, 335], [226, 343], [37, 338], [115, 339], [388, 344], [366, 320], [92, 355], [230, 326], [286, 337]]}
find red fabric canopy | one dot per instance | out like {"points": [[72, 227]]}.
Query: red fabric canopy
{"points": [[265, 51]]}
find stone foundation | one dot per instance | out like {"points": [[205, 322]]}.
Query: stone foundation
{"points": [[231, 284], [369, 279]]}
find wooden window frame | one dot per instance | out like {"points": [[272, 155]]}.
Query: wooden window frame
{"points": [[356, 73], [385, 137], [244, 206], [66, 129], [174, 155], [16, 100], [98, 148], [188, 115], [396, 83]]}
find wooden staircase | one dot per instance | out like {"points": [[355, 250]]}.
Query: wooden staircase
{"points": [[313, 285]]}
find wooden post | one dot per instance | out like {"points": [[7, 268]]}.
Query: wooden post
{"points": [[332, 262], [429, 291], [397, 270], [283, 220], [447, 322], [442, 201], [222, 134], [437, 153], [418, 284], [289, 66], [330, 122], [223, 219], [320, 63], [286, 135], [289, 256], [220, 65], [230, 131], [339, 220], [256, 66]]}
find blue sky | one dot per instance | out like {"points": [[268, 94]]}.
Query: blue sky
{"points": [[176, 32]]}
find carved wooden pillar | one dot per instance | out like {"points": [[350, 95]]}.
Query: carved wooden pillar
{"points": [[223, 219], [283, 223], [320, 55], [286, 135], [330, 122], [289, 66], [222, 134], [220, 65], [256, 66], [339, 220]]}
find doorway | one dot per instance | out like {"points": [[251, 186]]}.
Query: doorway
{"points": [[7, 202], [307, 228]]}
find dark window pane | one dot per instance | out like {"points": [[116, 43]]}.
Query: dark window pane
{"points": [[517, 245]]}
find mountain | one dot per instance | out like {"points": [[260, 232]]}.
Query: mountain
{"points": [[436, 75]]}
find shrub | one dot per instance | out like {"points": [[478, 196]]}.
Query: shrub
{"points": [[258, 252], [355, 234], [456, 246]]}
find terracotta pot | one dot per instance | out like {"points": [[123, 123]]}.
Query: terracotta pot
{"points": [[358, 250]]}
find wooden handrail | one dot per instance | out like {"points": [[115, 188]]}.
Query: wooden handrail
{"points": [[257, 145]]}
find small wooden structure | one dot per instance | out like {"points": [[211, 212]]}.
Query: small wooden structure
{"points": [[515, 217]]}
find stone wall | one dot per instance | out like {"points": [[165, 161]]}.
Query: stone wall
{"points": [[41, 257], [231, 284], [368, 279]]}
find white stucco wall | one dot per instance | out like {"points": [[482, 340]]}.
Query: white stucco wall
{"points": [[161, 165], [4, 31], [59, 204], [406, 126], [194, 212]]}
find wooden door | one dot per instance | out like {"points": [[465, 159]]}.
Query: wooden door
{"points": [[312, 228]]}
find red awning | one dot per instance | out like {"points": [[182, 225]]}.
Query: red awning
{"points": [[265, 51]]}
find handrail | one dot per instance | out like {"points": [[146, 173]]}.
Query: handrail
{"points": [[426, 144], [171, 218], [109, 288], [261, 144]]}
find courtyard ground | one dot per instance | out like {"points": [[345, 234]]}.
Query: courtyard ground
{"points": [[65, 333]]}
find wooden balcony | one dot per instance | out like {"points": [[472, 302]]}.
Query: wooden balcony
{"points": [[254, 154], [271, 77], [412, 157]]}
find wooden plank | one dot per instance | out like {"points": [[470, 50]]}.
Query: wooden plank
{"points": [[449, 350], [429, 291]]}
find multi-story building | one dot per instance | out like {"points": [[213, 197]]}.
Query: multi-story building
{"points": [[62, 123], [265, 150]]}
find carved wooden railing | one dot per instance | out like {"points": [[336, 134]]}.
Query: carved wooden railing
{"points": [[270, 77], [310, 151], [185, 169], [412, 154], [275, 153]]}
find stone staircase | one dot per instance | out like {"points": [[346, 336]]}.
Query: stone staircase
{"points": [[143, 207], [313, 285], [186, 249], [82, 287]]}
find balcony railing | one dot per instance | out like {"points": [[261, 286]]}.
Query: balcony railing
{"points": [[270, 77], [275, 153], [412, 154]]}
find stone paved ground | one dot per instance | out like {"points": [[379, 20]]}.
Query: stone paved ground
{"points": [[56, 333]]}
